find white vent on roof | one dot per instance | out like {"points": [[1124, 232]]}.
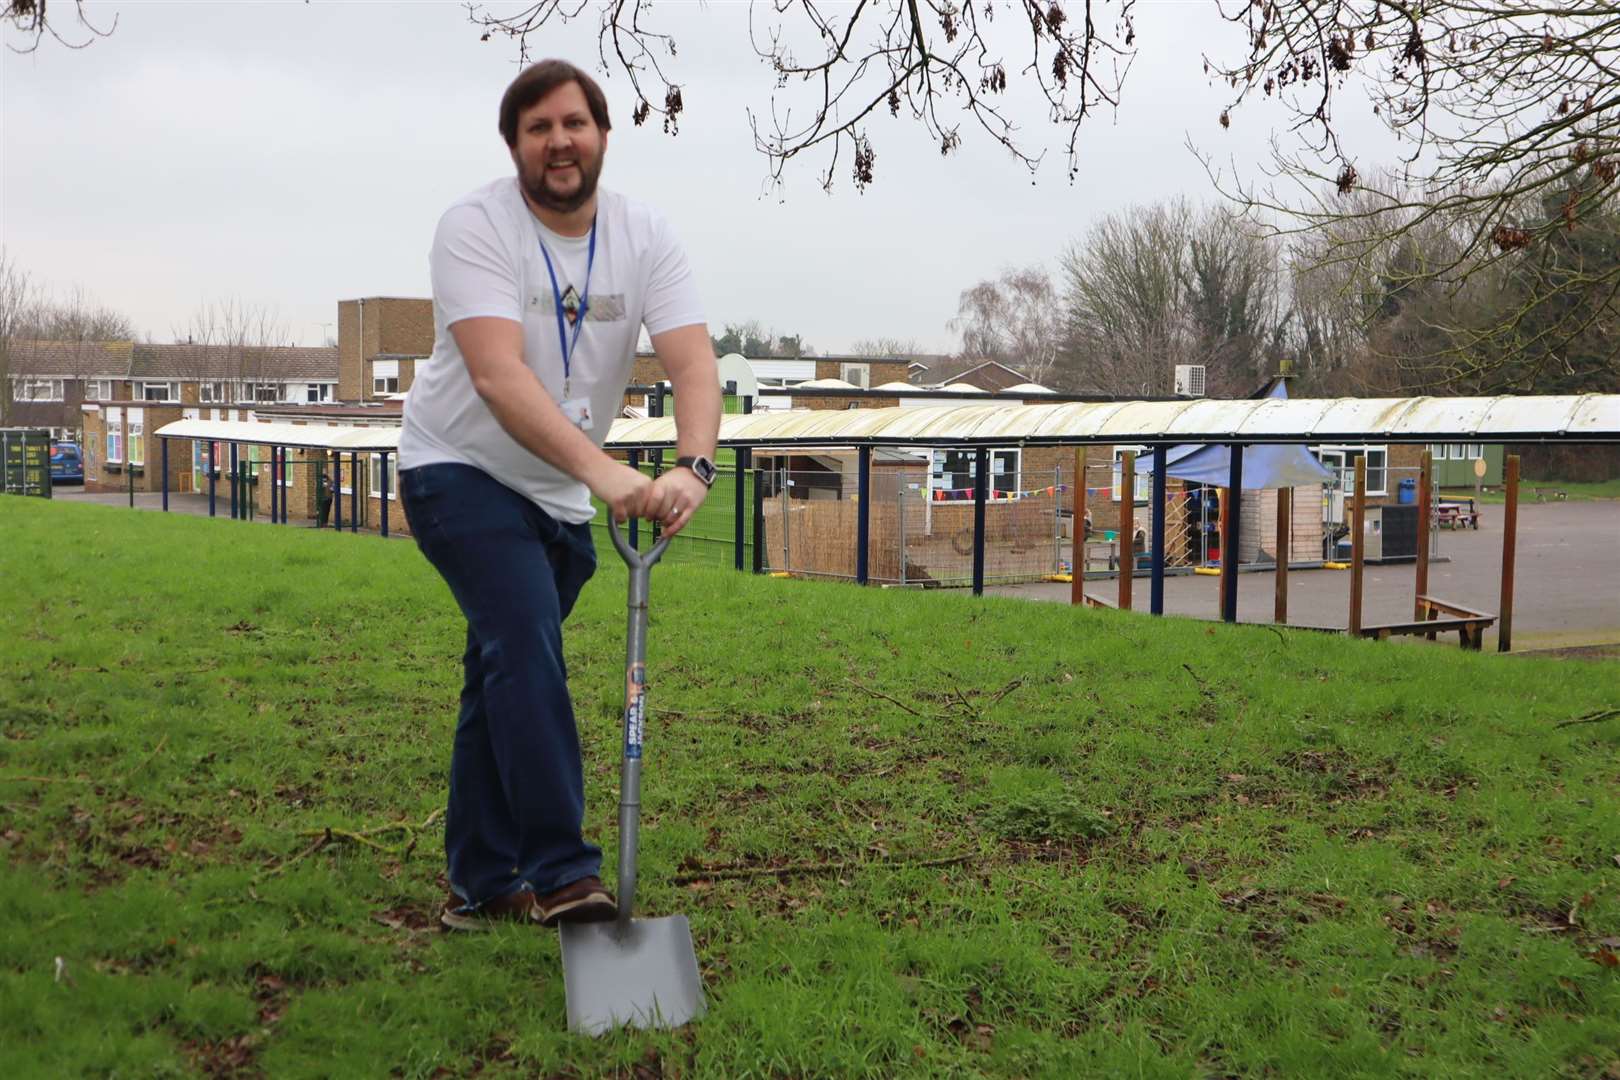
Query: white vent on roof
{"points": [[1189, 380], [856, 375]]}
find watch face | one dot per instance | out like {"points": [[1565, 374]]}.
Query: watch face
{"points": [[705, 470]]}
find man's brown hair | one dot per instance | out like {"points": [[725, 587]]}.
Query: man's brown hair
{"points": [[538, 80]]}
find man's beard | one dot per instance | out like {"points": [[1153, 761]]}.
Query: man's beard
{"points": [[542, 196]]}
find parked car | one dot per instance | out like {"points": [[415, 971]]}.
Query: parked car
{"points": [[67, 465]]}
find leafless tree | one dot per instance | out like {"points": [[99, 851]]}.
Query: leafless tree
{"points": [[1166, 285], [243, 332], [1015, 319], [941, 63], [32, 23], [19, 295], [1511, 121], [75, 317], [891, 348], [1124, 301]]}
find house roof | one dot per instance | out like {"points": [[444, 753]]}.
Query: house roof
{"points": [[71, 359], [986, 370], [230, 362]]}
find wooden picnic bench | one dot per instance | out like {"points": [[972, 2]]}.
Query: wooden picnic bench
{"points": [[1456, 514], [1436, 616]]}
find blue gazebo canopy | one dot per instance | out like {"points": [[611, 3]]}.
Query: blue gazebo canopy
{"points": [[1263, 466]]}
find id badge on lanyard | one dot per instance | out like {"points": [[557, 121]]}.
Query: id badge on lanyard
{"points": [[578, 410]]}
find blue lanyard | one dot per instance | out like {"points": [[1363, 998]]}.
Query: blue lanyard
{"points": [[567, 344]]}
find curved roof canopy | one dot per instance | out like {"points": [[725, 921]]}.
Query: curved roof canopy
{"points": [[1588, 418]]}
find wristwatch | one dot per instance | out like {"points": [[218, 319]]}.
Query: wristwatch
{"points": [[701, 466]]}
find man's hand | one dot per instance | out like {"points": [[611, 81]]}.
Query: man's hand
{"points": [[623, 489], [674, 497]]}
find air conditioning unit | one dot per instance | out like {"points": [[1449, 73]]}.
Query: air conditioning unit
{"points": [[856, 375], [1189, 380]]}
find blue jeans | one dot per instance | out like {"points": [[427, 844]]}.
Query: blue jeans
{"points": [[517, 789]]}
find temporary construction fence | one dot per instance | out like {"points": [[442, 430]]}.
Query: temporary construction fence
{"points": [[1318, 525], [918, 535]]}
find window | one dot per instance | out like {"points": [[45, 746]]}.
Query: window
{"points": [[1456, 451], [99, 390], [36, 389], [115, 436], [1143, 487], [267, 393], [952, 473], [137, 436], [375, 475], [213, 392], [385, 376], [314, 393], [1475, 450], [1437, 451], [157, 391], [1342, 460]]}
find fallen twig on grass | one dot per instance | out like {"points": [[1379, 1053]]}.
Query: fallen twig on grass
{"points": [[881, 694], [733, 871], [328, 835], [1590, 718]]}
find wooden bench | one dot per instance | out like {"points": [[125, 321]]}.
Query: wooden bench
{"points": [[1096, 601], [1456, 514], [1436, 616]]}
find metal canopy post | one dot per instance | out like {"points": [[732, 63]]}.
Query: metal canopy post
{"points": [[337, 490], [164, 444], [759, 517], [1232, 511], [277, 457], [383, 514], [354, 491], [1161, 475], [633, 459], [1358, 540], [739, 504], [1126, 494], [981, 482], [863, 512], [235, 483], [213, 475]]}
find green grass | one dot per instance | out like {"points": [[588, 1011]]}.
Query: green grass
{"points": [[1186, 850], [1575, 490]]}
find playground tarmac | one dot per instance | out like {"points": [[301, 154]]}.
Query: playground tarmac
{"points": [[1566, 581], [1566, 594]]}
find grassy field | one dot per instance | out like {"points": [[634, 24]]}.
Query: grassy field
{"points": [[1576, 490], [917, 834]]}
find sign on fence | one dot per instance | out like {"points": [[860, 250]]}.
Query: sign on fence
{"points": [[25, 462]]}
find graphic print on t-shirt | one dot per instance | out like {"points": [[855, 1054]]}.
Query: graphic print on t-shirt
{"points": [[570, 305]]}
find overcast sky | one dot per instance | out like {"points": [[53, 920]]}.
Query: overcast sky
{"points": [[294, 155]]}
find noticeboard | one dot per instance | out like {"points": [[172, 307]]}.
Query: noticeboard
{"points": [[25, 462]]}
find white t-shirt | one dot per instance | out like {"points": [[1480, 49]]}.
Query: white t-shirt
{"points": [[487, 261]]}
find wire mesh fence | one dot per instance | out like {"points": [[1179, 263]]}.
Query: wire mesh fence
{"points": [[710, 538], [919, 532]]}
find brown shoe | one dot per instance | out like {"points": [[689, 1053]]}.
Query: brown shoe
{"points": [[458, 914], [584, 900]]}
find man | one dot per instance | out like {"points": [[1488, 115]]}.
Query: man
{"points": [[541, 286]]}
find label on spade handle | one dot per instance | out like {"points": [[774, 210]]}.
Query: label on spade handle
{"points": [[635, 709]]}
